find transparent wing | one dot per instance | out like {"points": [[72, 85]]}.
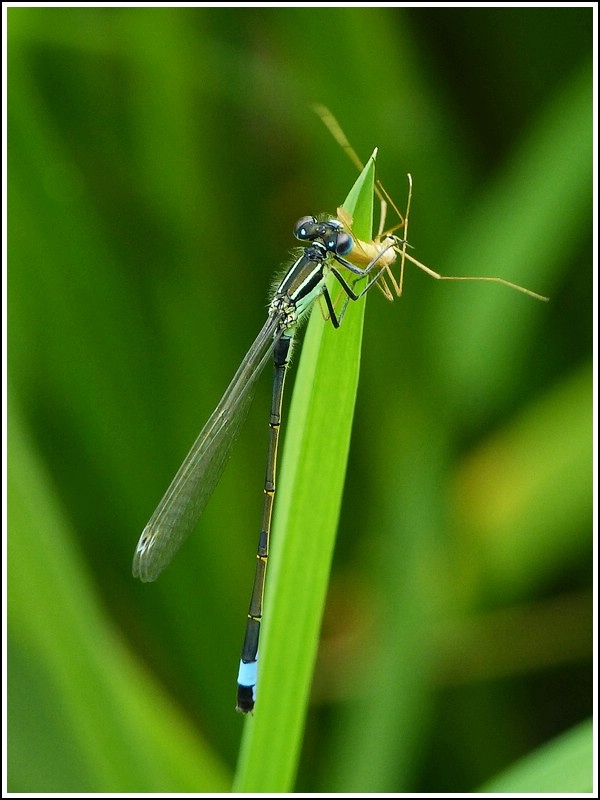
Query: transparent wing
{"points": [[186, 497]]}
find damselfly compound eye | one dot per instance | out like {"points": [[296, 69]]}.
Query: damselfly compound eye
{"points": [[344, 243], [305, 229]]}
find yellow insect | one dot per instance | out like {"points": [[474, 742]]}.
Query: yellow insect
{"points": [[383, 251]]}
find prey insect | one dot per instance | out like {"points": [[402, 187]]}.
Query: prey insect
{"points": [[386, 246]]}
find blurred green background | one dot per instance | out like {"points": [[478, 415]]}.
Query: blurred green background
{"points": [[158, 159]]}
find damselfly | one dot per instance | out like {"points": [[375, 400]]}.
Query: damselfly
{"points": [[327, 245]]}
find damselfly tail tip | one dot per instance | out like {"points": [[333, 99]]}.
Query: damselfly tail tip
{"points": [[246, 693], [245, 700]]}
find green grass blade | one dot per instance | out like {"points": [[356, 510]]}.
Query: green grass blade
{"points": [[84, 715], [306, 517], [563, 765]]}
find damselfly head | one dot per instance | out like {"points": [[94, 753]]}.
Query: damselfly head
{"points": [[329, 231]]}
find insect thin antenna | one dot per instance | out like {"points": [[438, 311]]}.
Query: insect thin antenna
{"points": [[338, 134]]}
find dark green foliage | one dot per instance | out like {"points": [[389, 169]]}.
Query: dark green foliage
{"points": [[158, 159]]}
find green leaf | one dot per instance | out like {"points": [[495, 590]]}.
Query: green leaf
{"points": [[306, 518], [563, 765], [80, 702]]}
